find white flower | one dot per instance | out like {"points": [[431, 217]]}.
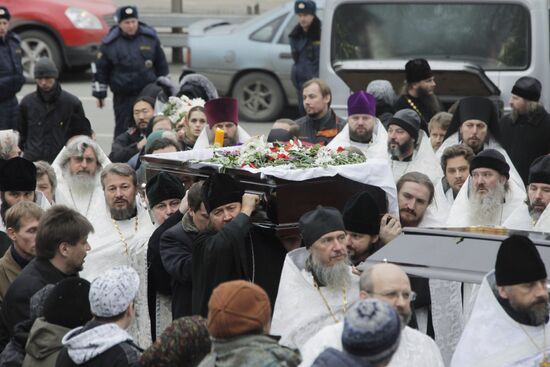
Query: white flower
{"points": [[324, 157]]}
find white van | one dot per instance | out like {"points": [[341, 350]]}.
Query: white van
{"points": [[364, 40]]}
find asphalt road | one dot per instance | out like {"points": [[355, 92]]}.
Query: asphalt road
{"points": [[103, 119]]}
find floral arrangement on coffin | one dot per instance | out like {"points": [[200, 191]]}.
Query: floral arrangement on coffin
{"points": [[177, 107], [257, 154]]}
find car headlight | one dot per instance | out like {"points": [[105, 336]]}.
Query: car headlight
{"points": [[83, 19]]}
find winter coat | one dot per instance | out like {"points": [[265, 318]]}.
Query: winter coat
{"points": [[9, 270], [320, 131], [128, 63], [43, 344], [176, 252], [15, 308], [11, 70], [525, 139], [44, 121], [334, 358], [125, 145], [305, 48], [98, 345], [250, 351]]}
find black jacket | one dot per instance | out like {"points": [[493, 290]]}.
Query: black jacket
{"points": [[127, 64], [526, 139], [305, 48], [176, 251], [125, 145], [44, 120], [11, 71], [425, 112], [322, 130], [37, 274], [239, 251]]}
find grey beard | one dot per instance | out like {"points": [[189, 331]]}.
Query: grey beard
{"points": [[401, 149], [123, 214], [485, 209], [334, 277], [81, 183]]}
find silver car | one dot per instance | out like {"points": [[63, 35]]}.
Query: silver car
{"points": [[249, 61]]}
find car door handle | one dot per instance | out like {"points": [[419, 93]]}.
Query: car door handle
{"points": [[285, 55]]}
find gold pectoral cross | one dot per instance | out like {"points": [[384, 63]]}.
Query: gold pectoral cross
{"points": [[545, 362]]}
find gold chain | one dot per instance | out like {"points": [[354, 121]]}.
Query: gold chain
{"points": [[345, 303], [411, 103], [122, 239], [545, 362]]}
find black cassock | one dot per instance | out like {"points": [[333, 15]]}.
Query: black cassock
{"points": [[239, 251]]}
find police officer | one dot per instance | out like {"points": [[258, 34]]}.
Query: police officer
{"points": [[304, 44], [11, 72], [130, 57]]}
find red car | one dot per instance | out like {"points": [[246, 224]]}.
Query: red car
{"points": [[67, 31]]}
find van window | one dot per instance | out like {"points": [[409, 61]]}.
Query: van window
{"points": [[494, 36]]}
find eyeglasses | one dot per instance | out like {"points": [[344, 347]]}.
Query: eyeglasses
{"points": [[408, 296]]}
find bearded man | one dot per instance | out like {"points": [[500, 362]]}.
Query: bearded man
{"points": [[409, 147], [534, 214], [317, 285], [418, 92], [526, 129], [509, 321], [121, 237], [222, 113], [79, 188], [363, 130]]}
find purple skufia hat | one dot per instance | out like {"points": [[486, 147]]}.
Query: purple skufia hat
{"points": [[361, 103]]}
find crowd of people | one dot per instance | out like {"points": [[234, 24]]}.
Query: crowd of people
{"points": [[104, 265]]}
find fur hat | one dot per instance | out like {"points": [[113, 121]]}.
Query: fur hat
{"points": [[518, 261], [318, 222], [237, 308]]}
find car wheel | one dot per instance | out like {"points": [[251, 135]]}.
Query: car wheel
{"points": [[37, 44], [260, 97]]}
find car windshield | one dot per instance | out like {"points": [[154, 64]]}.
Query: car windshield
{"points": [[494, 36]]}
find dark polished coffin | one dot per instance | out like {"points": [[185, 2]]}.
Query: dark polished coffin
{"points": [[464, 255], [283, 201]]}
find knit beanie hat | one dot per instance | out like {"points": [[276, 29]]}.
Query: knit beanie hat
{"points": [[185, 342], [45, 68], [539, 172], [490, 158], [518, 261], [408, 120], [372, 330], [67, 304], [361, 103], [528, 88], [163, 186], [113, 291], [125, 12], [224, 109], [382, 90], [237, 308], [17, 174], [4, 13], [305, 7], [318, 222], [221, 189], [417, 70]]}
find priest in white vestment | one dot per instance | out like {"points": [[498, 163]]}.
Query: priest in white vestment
{"points": [[363, 129], [488, 198], [531, 216], [455, 163], [317, 285], [475, 124], [78, 168], [120, 238], [222, 113], [388, 283], [409, 147], [509, 322]]}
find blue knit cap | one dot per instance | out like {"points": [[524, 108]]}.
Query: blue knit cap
{"points": [[372, 330]]}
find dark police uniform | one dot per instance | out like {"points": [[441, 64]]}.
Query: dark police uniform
{"points": [[11, 79], [127, 64]]}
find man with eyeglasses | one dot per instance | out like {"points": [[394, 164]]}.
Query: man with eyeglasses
{"points": [[388, 283], [509, 321]]}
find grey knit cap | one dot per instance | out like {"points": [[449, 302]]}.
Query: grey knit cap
{"points": [[45, 68], [382, 90], [372, 330], [113, 291]]}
